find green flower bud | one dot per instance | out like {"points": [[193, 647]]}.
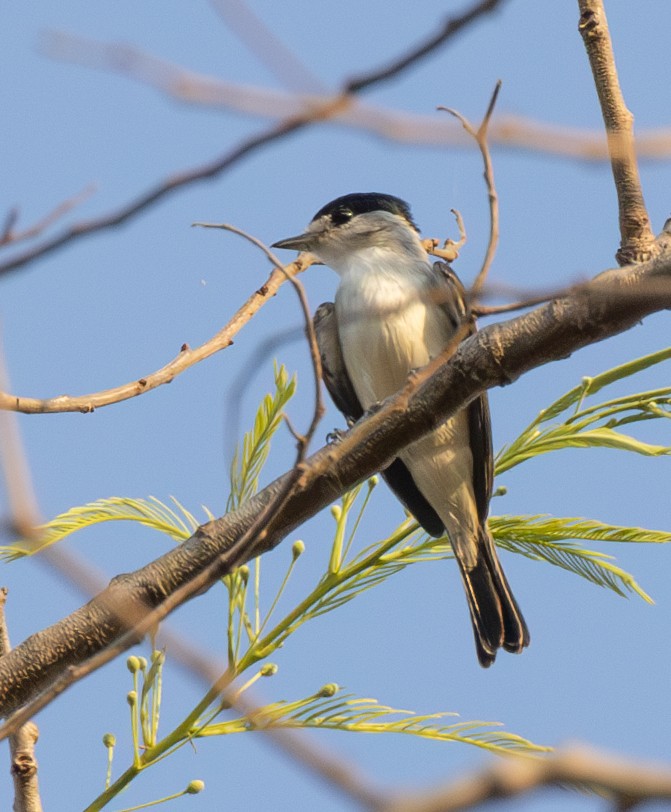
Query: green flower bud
{"points": [[244, 573], [131, 698], [269, 670], [297, 548], [195, 787], [330, 689], [109, 740], [133, 664], [336, 512]]}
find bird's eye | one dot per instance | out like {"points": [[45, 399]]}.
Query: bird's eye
{"points": [[340, 216]]}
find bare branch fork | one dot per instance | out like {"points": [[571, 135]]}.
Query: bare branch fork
{"points": [[500, 353]]}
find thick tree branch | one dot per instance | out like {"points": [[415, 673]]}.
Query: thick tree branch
{"points": [[637, 240], [500, 353]]}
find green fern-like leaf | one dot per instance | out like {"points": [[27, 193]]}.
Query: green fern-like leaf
{"points": [[177, 522], [330, 710], [590, 386], [545, 538], [596, 425], [246, 466]]}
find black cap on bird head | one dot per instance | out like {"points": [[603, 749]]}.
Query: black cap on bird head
{"points": [[344, 208]]}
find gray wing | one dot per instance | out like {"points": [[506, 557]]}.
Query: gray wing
{"points": [[340, 388], [452, 298]]}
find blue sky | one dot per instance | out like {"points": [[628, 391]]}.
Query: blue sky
{"points": [[115, 306]]}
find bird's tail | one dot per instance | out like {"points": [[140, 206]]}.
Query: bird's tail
{"points": [[496, 617]]}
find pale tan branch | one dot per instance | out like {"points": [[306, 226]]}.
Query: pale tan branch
{"points": [[508, 131], [636, 237], [24, 514], [22, 743], [625, 782], [187, 358], [52, 659]]}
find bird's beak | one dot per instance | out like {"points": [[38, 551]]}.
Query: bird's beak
{"points": [[302, 242]]}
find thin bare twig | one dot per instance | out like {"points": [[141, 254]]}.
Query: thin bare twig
{"points": [[480, 136], [315, 355], [636, 238], [321, 111], [170, 184], [11, 219], [187, 357], [450, 27], [450, 249], [9, 235]]}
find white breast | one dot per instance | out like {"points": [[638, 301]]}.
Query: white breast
{"points": [[387, 324]]}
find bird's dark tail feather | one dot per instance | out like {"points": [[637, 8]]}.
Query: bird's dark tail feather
{"points": [[496, 617]]}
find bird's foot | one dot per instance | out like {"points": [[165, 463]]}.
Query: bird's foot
{"points": [[374, 408], [335, 436]]}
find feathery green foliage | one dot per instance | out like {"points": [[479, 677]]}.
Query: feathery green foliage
{"points": [[547, 538], [329, 709], [595, 426], [176, 522], [246, 466], [254, 632]]}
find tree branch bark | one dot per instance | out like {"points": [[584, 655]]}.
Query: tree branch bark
{"points": [[637, 240], [613, 302]]}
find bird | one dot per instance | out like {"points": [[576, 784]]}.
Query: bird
{"points": [[394, 312]]}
